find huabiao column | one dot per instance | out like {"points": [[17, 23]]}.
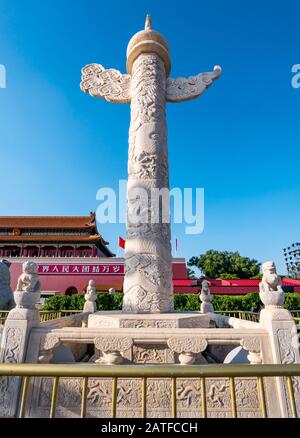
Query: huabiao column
{"points": [[147, 87], [148, 265]]}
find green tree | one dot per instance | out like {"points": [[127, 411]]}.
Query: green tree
{"points": [[225, 264], [257, 277], [226, 276]]}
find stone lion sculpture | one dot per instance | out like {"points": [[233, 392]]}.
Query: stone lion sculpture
{"points": [[7, 301], [29, 280], [270, 290]]}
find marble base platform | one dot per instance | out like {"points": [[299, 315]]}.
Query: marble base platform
{"points": [[115, 319]]}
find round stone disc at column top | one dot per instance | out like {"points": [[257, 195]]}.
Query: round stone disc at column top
{"points": [[148, 41]]}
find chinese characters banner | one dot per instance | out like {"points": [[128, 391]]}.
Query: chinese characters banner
{"points": [[81, 269]]}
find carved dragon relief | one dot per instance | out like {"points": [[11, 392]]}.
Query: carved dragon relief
{"points": [[113, 86]]}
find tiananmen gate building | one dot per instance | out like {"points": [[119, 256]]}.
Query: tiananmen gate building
{"points": [[69, 251], [51, 236]]}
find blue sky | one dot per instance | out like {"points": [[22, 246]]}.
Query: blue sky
{"points": [[240, 141]]}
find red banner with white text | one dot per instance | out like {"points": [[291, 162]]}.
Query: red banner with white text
{"points": [[81, 269]]}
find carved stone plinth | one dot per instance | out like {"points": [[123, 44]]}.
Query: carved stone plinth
{"points": [[161, 320]]}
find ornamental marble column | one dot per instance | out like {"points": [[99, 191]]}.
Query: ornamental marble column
{"points": [[148, 262], [148, 265]]}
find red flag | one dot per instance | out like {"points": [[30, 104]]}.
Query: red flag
{"points": [[121, 242]]}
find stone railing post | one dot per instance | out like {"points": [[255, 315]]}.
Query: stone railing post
{"points": [[16, 333], [206, 298], [90, 305], [282, 330], [283, 346]]}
